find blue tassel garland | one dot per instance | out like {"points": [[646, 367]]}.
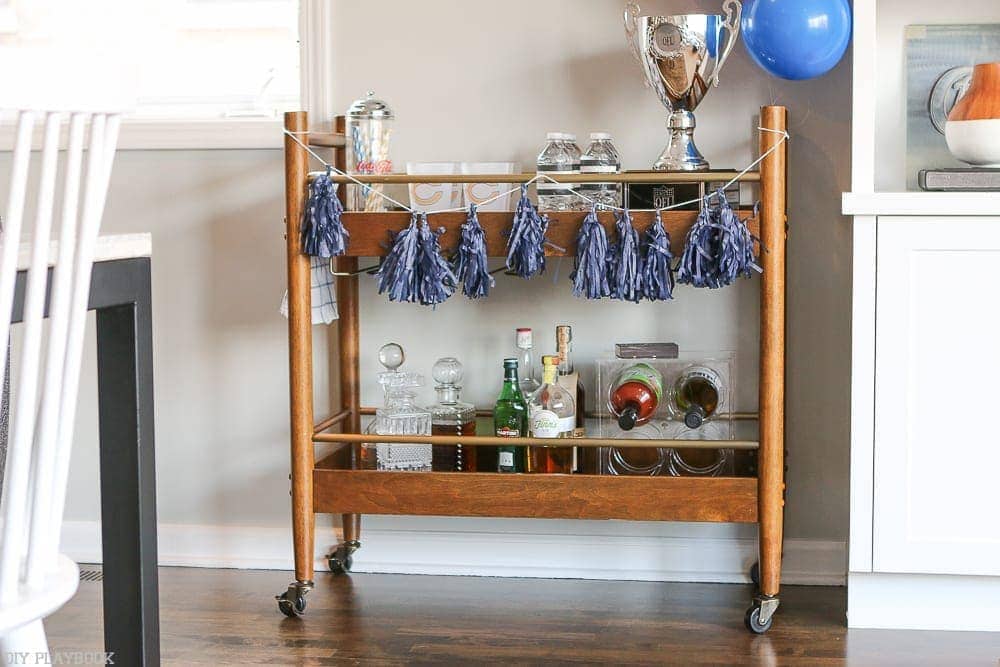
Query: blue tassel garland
{"points": [[414, 271], [469, 264], [719, 248], [625, 267], [590, 268], [657, 276], [323, 233], [525, 254]]}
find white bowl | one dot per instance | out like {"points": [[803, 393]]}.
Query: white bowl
{"points": [[976, 142]]}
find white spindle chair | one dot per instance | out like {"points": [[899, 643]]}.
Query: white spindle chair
{"points": [[35, 579]]}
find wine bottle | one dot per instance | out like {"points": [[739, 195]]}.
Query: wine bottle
{"points": [[635, 395]]}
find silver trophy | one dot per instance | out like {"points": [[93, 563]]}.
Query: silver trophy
{"points": [[681, 57]]}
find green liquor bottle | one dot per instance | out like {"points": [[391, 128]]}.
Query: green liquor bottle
{"points": [[510, 419]]}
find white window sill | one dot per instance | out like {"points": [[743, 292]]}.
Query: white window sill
{"points": [[147, 134]]}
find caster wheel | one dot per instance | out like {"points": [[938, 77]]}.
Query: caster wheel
{"points": [[753, 623], [755, 573], [340, 564], [340, 560], [291, 606]]}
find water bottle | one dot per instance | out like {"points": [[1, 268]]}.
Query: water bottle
{"points": [[579, 204], [555, 160], [601, 158]]}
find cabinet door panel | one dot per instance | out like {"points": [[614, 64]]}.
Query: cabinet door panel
{"points": [[937, 396]]}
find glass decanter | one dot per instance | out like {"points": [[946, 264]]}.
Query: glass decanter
{"points": [[451, 416], [400, 415]]}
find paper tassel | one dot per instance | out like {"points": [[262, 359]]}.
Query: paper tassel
{"points": [[397, 274], [435, 280], [590, 268], [625, 267], [657, 276], [470, 261], [525, 255], [414, 270], [323, 233], [719, 248]]}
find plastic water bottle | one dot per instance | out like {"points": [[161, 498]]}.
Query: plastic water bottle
{"points": [[556, 160], [579, 204], [601, 158]]}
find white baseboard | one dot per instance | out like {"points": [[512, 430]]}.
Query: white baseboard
{"points": [[694, 552], [923, 602]]}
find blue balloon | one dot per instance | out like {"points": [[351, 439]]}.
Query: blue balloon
{"points": [[797, 39]]}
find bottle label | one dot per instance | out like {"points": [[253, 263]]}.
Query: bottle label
{"points": [[587, 168], [645, 374], [705, 373], [547, 424], [506, 460], [508, 432]]}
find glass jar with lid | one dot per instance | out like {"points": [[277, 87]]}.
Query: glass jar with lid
{"points": [[369, 124]]}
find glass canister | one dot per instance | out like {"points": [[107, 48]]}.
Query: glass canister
{"points": [[369, 130]]}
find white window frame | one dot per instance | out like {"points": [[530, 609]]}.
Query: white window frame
{"points": [[229, 133], [218, 133]]}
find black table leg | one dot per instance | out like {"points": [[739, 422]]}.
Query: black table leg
{"points": [[128, 473]]}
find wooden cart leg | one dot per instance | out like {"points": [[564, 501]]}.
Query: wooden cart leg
{"points": [[350, 364], [771, 485], [350, 391], [292, 602]]}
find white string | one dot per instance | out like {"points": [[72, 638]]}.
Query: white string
{"points": [[540, 176]]}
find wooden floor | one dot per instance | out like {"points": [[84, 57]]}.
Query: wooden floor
{"points": [[228, 617]]}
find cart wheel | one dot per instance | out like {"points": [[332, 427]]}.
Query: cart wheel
{"points": [[340, 563], [340, 560], [755, 573], [753, 623], [291, 606]]}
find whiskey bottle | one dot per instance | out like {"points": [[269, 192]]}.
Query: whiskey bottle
{"points": [[635, 395], [696, 394], [551, 414], [451, 416], [528, 380], [510, 419]]}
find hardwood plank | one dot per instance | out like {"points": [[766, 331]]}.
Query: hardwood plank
{"points": [[228, 617], [370, 231], [720, 499]]}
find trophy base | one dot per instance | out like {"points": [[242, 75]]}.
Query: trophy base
{"points": [[680, 153]]}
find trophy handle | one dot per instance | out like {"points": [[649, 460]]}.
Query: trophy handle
{"points": [[631, 19], [734, 10]]}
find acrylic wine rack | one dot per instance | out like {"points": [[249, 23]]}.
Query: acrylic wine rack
{"points": [[335, 485]]}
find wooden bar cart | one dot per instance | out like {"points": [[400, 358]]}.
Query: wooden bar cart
{"points": [[336, 485]]}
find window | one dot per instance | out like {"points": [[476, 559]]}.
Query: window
{"points": [[181, 61]]}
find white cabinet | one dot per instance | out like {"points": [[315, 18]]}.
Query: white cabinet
{"points": [[936, 464]]}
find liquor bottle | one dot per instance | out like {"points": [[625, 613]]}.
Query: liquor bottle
{"points": [[551, 414], [635, 395], [528, 382], [696, 394], [586, 458], [568, 376], [510, 419], [451, 416]]}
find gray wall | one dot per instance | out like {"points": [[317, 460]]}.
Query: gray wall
{"points": [[471, 81]]}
